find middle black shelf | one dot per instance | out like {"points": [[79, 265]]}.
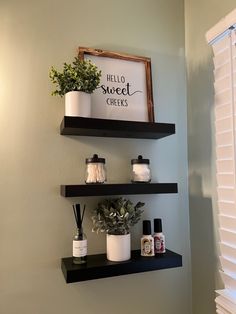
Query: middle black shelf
{"points": [[117, 189]]}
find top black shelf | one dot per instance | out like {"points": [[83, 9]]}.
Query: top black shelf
{"points": [[115, 128]]}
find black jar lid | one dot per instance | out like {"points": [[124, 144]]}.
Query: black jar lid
{"points": [[140, 160], [95, 159]]}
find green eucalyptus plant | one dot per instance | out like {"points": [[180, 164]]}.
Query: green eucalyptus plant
{"points": [[116, 216], [81, 75]]}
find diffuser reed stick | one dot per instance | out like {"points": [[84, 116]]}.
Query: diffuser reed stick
{"points": [[77, 214]]}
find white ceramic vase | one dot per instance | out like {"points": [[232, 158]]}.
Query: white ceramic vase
{"points": [[118, 247], [78, 104]]}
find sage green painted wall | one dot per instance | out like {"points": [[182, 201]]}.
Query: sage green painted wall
{"points": [[200, 16], [36, 224]]}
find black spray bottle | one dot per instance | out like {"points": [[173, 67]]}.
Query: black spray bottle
{"points": [[159, 238], [147, 241]]}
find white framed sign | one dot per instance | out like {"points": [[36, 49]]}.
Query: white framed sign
{"points": [[125, 90]]}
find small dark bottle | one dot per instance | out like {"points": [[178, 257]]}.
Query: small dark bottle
{"points": [[159, 238], [147, 241]]}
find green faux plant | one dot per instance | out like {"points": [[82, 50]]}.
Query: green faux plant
{"points": [[81, 75], [116, 216]]}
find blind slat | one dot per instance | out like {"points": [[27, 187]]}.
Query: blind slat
{"points": [[228, 251], [227, 236], [224, 138], [223, 97], [222, 84], [223, 111], [229, 281], [225, 124], [228, 266], [223, 71], [227, 208], [225, 179], [226, 194], [224, 152], [220, 45], [224, 166], [227, 222]]}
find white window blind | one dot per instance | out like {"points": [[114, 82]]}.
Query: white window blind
{"points": [[222, 37]]}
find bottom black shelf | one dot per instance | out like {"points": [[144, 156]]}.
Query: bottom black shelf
{"points": [[98, 266]]}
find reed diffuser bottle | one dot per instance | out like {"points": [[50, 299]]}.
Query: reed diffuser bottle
{"points": [[80, 239]]}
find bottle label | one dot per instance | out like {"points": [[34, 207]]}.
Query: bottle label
{"points": [[147, 248], [79, 248], [159, 244]]}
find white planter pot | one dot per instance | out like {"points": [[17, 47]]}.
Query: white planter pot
{"points": [[78, 104], [118, 247]]}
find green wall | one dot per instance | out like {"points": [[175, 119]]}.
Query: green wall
{"points": [[36, 224], [200, 16]]}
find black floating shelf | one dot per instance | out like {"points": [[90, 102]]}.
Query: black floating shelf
{"points": [[115, 128], [98, 266], [118, 189]]}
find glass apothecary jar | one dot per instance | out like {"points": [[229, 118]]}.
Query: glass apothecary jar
{"points": [[95, 170], [141, 172]]}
